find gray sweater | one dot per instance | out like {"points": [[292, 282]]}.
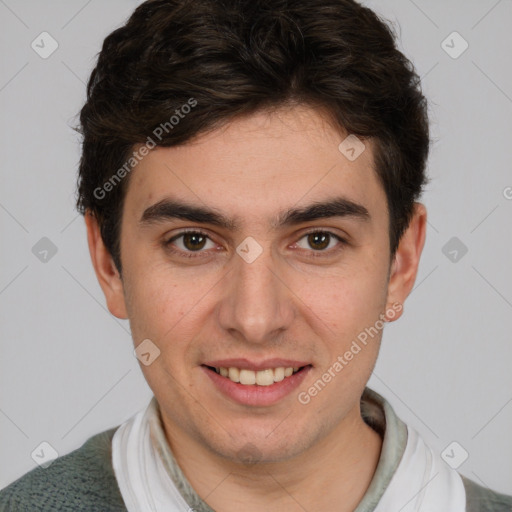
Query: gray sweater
{"points": [[84, 480]]}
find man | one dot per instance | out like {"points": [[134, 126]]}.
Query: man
{"points": [[249, 178]]}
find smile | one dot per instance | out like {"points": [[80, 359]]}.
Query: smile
{"points": [[265, 377], [256, 384]]}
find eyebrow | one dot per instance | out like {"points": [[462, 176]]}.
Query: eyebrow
{"points": [[168, 209]]}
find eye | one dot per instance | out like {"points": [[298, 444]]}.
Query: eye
{"points": [[320, 241], [189, 242]]}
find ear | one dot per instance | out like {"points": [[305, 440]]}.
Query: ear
{"points": [[406, 261], [104, 266]]}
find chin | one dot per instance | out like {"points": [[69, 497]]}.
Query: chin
{"points": [[266, 447]]}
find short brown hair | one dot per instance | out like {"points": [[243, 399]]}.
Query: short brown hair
{"points": [[233, 58]]}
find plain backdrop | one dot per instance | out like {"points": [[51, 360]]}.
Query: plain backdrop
{"points": [[67, 366]]}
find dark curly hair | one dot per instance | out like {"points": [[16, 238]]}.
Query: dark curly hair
{"points": [[228, 58]]}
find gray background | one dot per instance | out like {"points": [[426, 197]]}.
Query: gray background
{"points": [[67, 366]]}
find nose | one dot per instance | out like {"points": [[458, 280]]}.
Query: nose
{"points": [[257, 303]]}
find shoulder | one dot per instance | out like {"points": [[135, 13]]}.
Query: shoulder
{"points": [[81, 480], [482, 499]]}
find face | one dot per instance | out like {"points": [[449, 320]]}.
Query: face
{"points": [[257, 251]]}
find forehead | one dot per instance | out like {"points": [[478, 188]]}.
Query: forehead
{"points": [[257, 164]]}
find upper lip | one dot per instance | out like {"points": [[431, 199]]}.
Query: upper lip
{"points": [[245, 364]]}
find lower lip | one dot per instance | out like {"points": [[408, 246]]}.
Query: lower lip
{"points": [[257, 395]]}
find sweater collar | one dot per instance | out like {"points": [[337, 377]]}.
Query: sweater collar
{"points": [[375, 411]]}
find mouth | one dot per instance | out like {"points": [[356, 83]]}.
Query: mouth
{"points": [[261, 384], [265, 377]]}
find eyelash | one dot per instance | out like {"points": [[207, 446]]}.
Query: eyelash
{"points": [[198, 254]]}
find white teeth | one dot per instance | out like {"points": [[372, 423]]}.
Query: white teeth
{"points": [[278, 374], [261, 378], [234, 374], [247, 377], [265, 377]]}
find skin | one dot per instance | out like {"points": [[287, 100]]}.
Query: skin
{"points": [[287, 303]]}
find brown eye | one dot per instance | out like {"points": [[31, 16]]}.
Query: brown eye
{"points": [[319, 240], [188, 242], [194, 241]]}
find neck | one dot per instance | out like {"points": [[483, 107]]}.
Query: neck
{"points": [[334, 474]]}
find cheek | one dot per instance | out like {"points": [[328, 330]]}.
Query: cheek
{"points": [[151, 303], [348, 314], [163, 304], [345, 301]]}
